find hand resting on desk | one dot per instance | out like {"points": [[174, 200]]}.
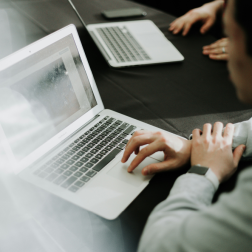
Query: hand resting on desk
{"points": [[176, 150], [207, 15]]}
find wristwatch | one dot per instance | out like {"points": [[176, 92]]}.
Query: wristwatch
{"points": [[207, 172]]}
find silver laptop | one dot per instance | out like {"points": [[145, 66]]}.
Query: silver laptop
{"points": [[131, 43], [55, 132]]}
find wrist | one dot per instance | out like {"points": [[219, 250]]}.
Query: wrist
{"points": [[207, 173]]}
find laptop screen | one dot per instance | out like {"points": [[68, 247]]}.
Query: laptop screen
{"points": [[41, 95]]}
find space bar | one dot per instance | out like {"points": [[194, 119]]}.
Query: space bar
{"points": [[106, 160]]}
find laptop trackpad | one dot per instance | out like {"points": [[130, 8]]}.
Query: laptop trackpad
{"points": [[119, 171]]}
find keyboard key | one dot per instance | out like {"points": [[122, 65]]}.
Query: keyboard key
{"points": [[94, 160], [100, 137], [65, 157], [69, 181], [104, 142], [80, 144], [73, 168], [78, 174], [89, 165], [86, 149], [43, 174], [83, 169], [104, 152], [106, 160], [52, 176], [113, 144], [70, 161], [85, 179], [77, 140], [78, 164], [121, 146], [90, 145], [55, 165], [95, 141], [124, 135], [89, 155], [118, 122], [118, 140], [80, 153], [59, 171], [105, 133], [84, 141], [66, 149], [75, 157], [68, 173], [125, 141], [73, 188], [60, 161], [118, 130], [99, 146], [59, 180], [84, 159], [91, 173], [71, 145], [124, 126], [79, 183], [49, 169], [99, 156], [109, 138], [76, 148], [114, 125], [111, 120], [94, 151], [64, 166], [70, 153], [129, 129], [109, 148]]}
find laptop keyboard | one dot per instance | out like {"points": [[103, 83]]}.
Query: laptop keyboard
{"points": [[122, 44], [78, 163]]}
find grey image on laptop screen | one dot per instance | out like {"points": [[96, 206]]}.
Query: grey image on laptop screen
{"points": [[43, 94]]}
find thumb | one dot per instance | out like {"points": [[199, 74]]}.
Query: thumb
{"points": [[206, 26], [237, 154]]}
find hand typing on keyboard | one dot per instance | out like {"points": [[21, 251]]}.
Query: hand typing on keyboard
{"points": [[177, 151]]}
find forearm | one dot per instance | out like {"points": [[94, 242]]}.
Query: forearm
{"points": [[243, 135], [163, 232]]}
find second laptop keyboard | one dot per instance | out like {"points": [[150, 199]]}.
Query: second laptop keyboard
{"points": [[87, 155], [122, 44]]}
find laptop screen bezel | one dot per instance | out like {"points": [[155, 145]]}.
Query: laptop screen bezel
{"points": [[18, 166]]}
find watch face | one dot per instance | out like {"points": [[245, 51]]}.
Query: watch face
{"points": [[201, 170]]}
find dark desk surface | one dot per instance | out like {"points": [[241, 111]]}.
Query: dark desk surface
{"points": [[175, 97]]}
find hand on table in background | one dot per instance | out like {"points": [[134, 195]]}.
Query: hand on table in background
{"points": [[206, 14], [214, 150], [176, 150], [217, 50]]}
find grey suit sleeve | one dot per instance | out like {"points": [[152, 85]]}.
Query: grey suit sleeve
{"points": [[243, 135], [187, 222]]}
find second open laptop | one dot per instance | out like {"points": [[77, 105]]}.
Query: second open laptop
{"points": [[55, 132], [131, 43]]}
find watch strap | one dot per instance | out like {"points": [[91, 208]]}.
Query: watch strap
{"points": [[207, 172]]}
